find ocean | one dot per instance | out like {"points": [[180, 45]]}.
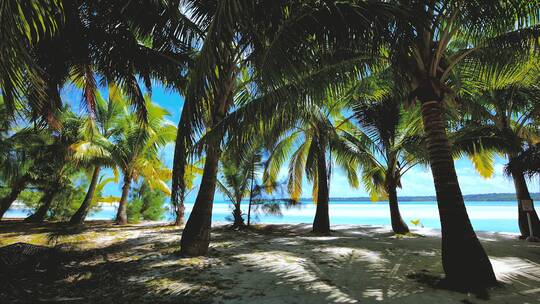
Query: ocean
{"points": [[485, 216]]}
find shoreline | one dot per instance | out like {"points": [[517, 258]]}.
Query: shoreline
{"points": [[485, 216], [428, 231]]}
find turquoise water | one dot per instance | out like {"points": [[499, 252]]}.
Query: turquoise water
{"points": [[485, 216]]}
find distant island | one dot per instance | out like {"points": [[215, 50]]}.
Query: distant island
{"points": [[488, 197]]}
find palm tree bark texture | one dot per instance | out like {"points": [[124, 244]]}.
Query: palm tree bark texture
{"points": [[398, 225], [251, 195], [237, 215], [180, 210], [121, 215], [80, 214], [321, 223], [464, 260], [196, 235]]}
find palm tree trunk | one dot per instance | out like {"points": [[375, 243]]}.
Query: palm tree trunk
{"points": [[180, 210], [121, 215], [321, 223], [398, 225], [80, 215], [237, 215], [522, 193], [249, 213], [464, 260], [46, 201], [250, 197], [196, 235], [16, 188]]}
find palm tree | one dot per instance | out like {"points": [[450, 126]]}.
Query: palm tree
{"points": [[389, 145], [102, 42], [444, 35], [16, 186], [527, 162], [34, 157], [22, 154], [24, 24], [240, 34], [135, 152], [237, 177], [500, 120], [93, 151], [211, 90], [214, 91], [14, 162], [54, 174], [424, 48], [312, 146], [191, 172]]}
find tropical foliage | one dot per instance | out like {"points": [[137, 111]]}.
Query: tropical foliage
{"points": [[146, 204], [389, 143], [499, 117], [238, 175]]}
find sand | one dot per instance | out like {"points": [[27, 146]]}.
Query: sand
{"points": [[269, 264]]}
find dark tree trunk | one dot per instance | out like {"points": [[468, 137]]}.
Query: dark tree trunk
{"points": [[522, 193], [249, 214], [237, 215], [250, 198], [80, 215], [398, 225], [16, 188], [196, 235], [321, 223], [180, 210], [178, 194], [46, 202], [121, 214], [464, 260]]}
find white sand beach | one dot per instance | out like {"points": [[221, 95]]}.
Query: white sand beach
{"points": [[276, 264]]}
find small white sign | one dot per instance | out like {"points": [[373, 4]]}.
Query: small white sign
{"points": [[527, 205]]}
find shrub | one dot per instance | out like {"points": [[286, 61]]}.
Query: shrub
{"points": [[146, 204]]}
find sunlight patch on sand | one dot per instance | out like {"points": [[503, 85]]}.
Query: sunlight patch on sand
{"points": [[285, 241], [321, 238], [374, 293], [514, 270], [296, 271], [359, 254]]}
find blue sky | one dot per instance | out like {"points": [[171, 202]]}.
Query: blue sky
{"points": [[417, 182]]}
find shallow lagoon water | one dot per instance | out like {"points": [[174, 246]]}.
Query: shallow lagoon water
{"points": [[485, 216]]}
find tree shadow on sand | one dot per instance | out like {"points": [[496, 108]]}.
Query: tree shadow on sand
{"points": [[270, 264]]}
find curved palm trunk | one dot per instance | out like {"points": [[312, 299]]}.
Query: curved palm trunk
{"points": [[16, 189], [80, 214], [121, 215], [237, 215], [464, 260], [196, 235], [398, 225], [41, 213], [522, 193], [321, 223]]}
